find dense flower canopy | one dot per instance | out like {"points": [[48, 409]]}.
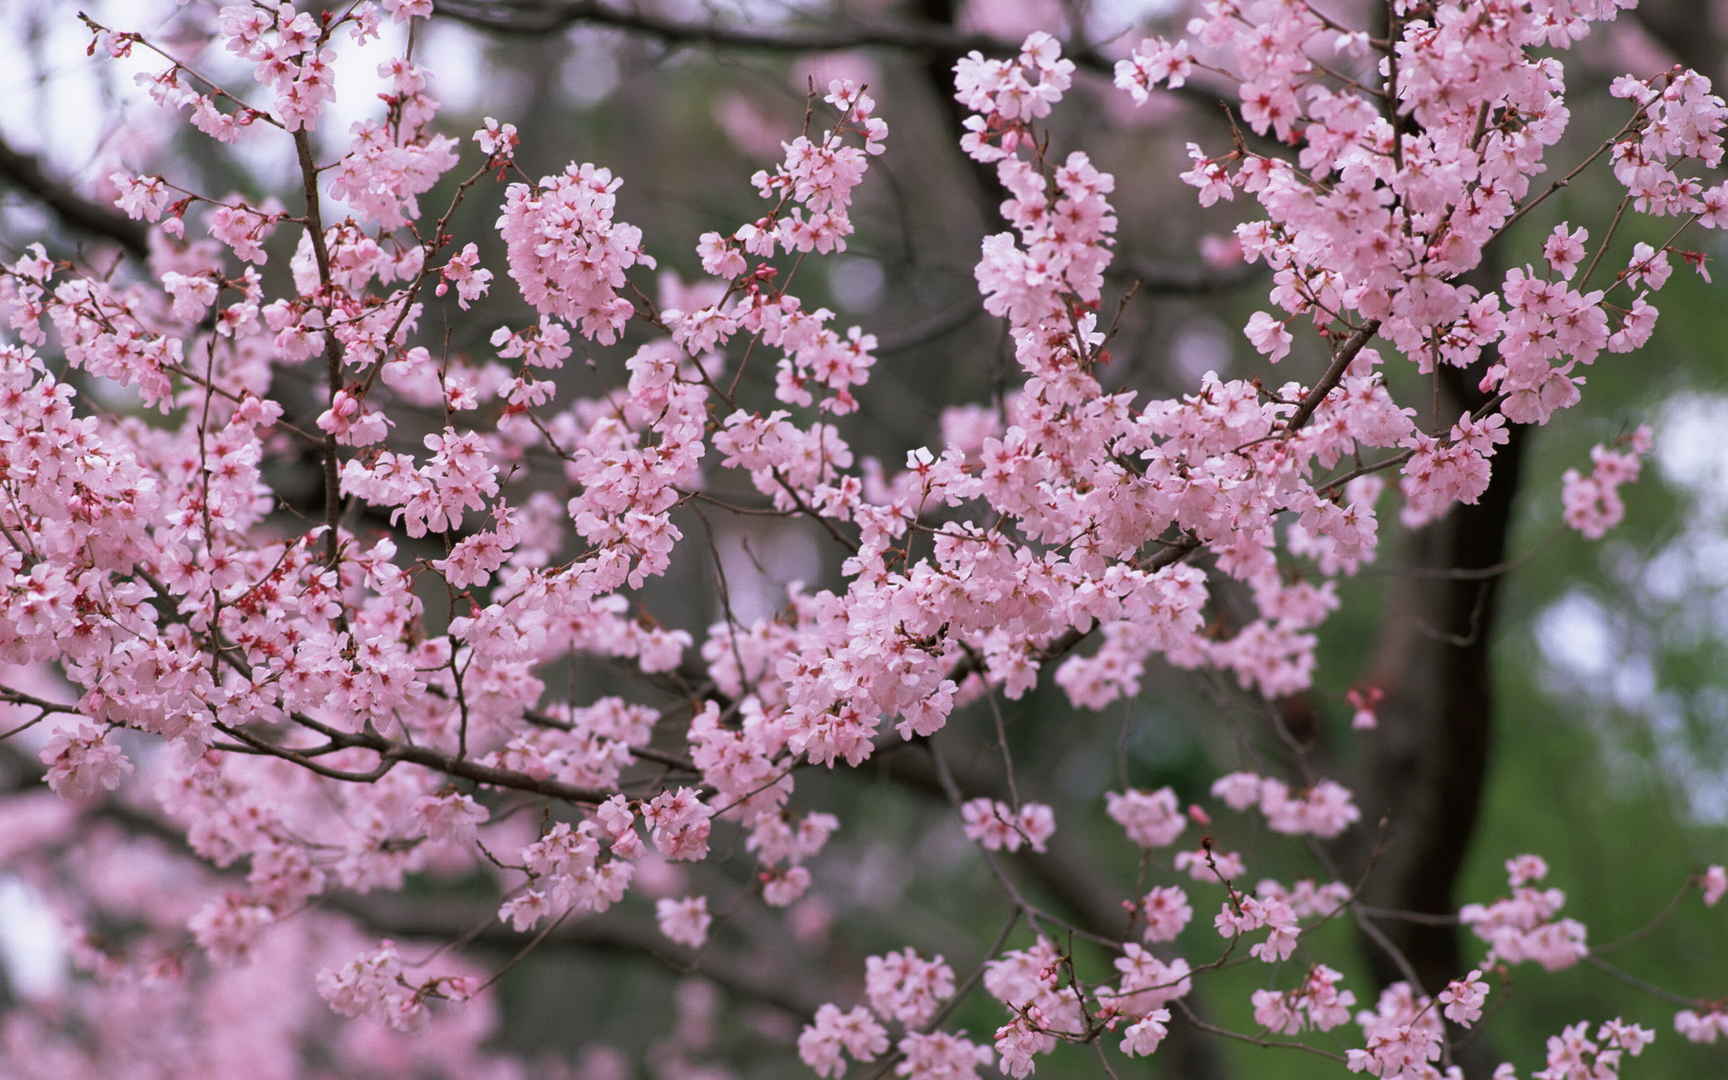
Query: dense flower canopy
{"points": [[331, 707]]}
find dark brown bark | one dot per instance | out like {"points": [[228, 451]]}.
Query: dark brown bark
{"points": [[1426, 767]]}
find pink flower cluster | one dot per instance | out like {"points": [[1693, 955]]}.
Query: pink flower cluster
{"points": [[374, 984], [1523, 927], [1006, 96], [1573, 1056], [684, 921], [1317, 1002], [995, 826], [1242, 914], [83, 761], [1165, 910], [1704, 1027], [1402, 1035], [1151, 819], [1715, 884], [567, 254], [1592, 503], [327, 705], [1463, 998], [902, 988], [1324, 810]]}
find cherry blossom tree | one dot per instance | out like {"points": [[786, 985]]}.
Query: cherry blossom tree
{"points": [[255, 734]]}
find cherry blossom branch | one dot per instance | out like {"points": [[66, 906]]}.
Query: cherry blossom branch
{"points": [[46, 709], [1564, 181], [1643, 984], [216, 88], [513, 18], [1034, 915], [1650, 927], [388, 750], [1252, 1040], [19, 697], [332, 347], [449, 764], [1607, 238], [26, 174], [303, 758], [1340, 363], [743, 975]]}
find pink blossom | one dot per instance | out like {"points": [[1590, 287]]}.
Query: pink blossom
{"points": [[1268, 336], [996, 827], [904, 986], [1143, 1037], [1210, 866], [1592, 503], [1463, 998], [1715, 884], [1166, 912], [1151, 819], [226, 928], [496, 140], [1701, 1028], [1155, 62], [684, 921], [567, 253], [678, 824], [855, 1032], [448, 819], [82, 760], [141, 196], [941, 1054], [1565, 250]]}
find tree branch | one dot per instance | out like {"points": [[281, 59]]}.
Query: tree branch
{"points": [[25, 173], [1340, 363], [1181, 277], [473, 925], [528, 17]]}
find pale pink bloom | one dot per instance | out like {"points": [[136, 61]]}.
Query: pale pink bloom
{"points": [[1701, 1028], [1463, 998], [497, 140], [1269, 336], [906, 987], [996, 827], [1715, 883], [781, 888], [1565, 250], [1151, 819], [448, 819], [1017, 1043], [82, 761], [1628, 1037], [143, 197], [1166, 912], [1144, 1036], [940, 1054], [1210, 865], [227, 928], [684, 921], [854, 1032], [525, 910]]}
